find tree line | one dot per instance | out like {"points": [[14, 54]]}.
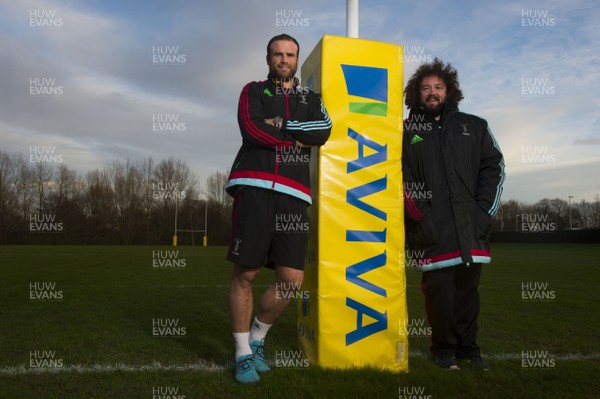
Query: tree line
{"points": [[125, 202], [135, 202], [547, 215]]}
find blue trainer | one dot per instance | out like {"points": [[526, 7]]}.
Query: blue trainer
{"points": [[258, 350], [244, 370]]}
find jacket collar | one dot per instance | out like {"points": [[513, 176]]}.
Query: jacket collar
{"points": [[449, 109]]}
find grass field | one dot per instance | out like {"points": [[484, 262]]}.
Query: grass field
{"points": [[84, 316]]}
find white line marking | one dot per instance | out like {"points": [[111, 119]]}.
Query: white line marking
{"points": [[568, 357], [109, 368], [205, 366]]}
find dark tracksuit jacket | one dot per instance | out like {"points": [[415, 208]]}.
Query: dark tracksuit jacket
{"points": [[262, 159], [453, 175]]}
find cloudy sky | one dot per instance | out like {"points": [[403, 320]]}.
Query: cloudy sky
{"points": [[89, 77]]}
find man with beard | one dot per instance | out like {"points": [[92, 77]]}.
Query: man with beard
{"points": [[279, 121], [453, 174]]}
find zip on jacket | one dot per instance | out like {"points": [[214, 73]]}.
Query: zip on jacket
{"points": [[259, 160]]}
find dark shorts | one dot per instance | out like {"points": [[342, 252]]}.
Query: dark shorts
{"points": [[269, 229]]}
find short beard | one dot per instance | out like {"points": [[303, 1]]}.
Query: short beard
{"points": [[273, 72], [434, 112]]}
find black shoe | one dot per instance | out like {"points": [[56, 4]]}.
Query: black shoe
{"points": [[447, 363], [477, 363]]}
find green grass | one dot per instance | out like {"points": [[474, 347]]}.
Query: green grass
{"points": [[112, 294]]}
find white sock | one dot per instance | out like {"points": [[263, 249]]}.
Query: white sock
{"points": [[259, 330], [242, 345]]}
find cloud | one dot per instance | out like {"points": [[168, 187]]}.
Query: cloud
{"points": [[102, 58], [557, 180], [591, 141]]}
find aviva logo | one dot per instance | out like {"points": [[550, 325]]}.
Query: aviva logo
{"points": [[371, 84]]}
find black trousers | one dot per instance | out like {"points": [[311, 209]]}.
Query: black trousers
{"points": [[452, 304]]}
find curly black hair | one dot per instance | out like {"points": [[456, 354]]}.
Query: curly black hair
{"points": [[412, 95]]}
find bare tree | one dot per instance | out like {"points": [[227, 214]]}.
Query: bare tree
{"points": [[127, 183], [585, 211], [7, 199], [215, 188], [173, 177], [67, 186], [99, 202], [42, 174], [508, 216], [595, 213], [8, 196], [24, 186], [219, 205], [146, 170]]}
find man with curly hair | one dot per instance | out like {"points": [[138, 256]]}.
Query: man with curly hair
{"points": [[453, 175]]}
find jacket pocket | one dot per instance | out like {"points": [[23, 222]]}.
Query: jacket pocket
{"points": [[426, 235], [483, 224]]}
